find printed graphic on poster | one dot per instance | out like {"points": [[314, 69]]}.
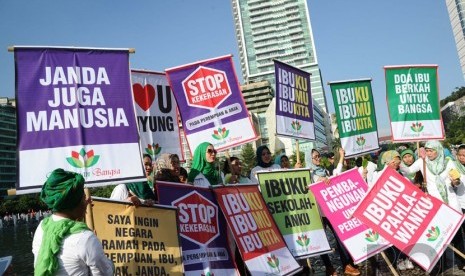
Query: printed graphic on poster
{"points": [[157, 115], [418, 224], [338, 201], [139, 241], [202, 227], [74, 110], [210, 103], [294, 107], [356, 118], [413, 102], [259, 241], [295, 211]]}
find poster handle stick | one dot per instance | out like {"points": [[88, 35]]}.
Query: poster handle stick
{"points": [[297, 151], [89, 215], [460, 253], [393, 270]]}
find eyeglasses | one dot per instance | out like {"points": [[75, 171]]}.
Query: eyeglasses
{"points": [[211, 151], [316, 157]]}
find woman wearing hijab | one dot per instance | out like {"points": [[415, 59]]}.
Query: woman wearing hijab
{"points": [[283, 161], [436, 171], [264, 163], [63, 245], [138, 193], [203, 172], [439, 185]]}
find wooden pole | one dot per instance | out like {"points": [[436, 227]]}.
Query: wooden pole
{"points": [[89, 215], [393, 270], [456, 251], [297, 151]]}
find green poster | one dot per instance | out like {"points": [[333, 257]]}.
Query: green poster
{"points": [[294, 210], [356, 118], [413, 102]]}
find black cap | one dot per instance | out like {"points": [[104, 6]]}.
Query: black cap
{"points": [[330, 155]]}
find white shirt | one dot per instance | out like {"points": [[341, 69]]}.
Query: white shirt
{"points": [[431, 181], [81, 253], [371, 168], [120, 192], [256, 169], [201, 181]]}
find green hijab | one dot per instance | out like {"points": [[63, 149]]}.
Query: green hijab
{"points": [[141, 190], [200, 165], [63, 190], [437, 166]]}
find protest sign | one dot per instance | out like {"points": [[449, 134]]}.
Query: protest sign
{"points": [[157, 116], [356, 118], [74, 110], [294, 107], [418, 224], [295, 211], [258, 238], [210, 103], [338, 200], [413, 102], [139, 241], [202, 228]]}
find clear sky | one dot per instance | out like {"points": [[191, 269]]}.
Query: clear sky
{"points": [[353, 39]]}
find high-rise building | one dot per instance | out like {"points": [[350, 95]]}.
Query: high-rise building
{"points": [[8, 164], [281, 30], [456, 9]]}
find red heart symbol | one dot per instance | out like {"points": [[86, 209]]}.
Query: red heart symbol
{"points": [[143, 96]]}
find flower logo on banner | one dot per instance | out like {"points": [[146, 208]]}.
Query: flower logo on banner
{"points": [[360, 141], [153, 149], [273, 262], [220, 134], [433, 233], [417, 127], [296, 125], [303, 241], [371, 236], [83, 159]]}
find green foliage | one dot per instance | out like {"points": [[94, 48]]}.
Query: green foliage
{"points": [[248, 159], [293, 159], [455, 133], [457, 94], [102, 191], [22, 204]]}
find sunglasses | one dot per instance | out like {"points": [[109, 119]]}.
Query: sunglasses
{"points": [[211, 151]]}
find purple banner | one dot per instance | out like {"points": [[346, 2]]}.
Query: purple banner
{"points": [[210, 103], [202, 228], [294, 107], [75, 111], [71, 97]]}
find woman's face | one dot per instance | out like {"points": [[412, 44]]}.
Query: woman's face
{"points": [[285, 162], [408, 159], [174, 164], [266, 156], [395, 163], [148, 166], [431, 154], [316, 158], [236, 167], [210, 154], [461, 156]]}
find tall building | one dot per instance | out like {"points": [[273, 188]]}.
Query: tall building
{"points": [[281, 30], [8, 164], [456, 9]]}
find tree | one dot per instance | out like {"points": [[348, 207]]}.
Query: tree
{"points": [[293, 158], [248, 159]]}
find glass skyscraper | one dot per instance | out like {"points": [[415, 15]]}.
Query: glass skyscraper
{"points": [[8, 164], [456, 9], [280, 29]]}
